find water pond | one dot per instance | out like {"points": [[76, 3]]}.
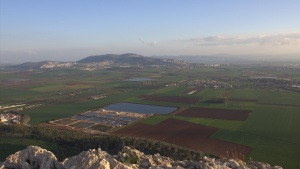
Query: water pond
{"points": [[140, 108]]}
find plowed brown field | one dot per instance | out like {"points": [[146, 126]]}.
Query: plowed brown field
{"points": [[213, 113], [176, 99], [185, 134]]}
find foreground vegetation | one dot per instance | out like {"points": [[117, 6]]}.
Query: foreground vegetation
{"points": [[69, 143]]}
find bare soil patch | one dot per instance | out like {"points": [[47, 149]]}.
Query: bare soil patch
{"points": [[214, 113], [185, 134], [176, 99]]}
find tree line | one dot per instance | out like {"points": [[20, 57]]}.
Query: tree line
{"points": [[70, 143]]}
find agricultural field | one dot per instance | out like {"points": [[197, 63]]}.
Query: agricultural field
{"points": [[244, 116], [179, 131], [213, 113], [53, 88], [177, 99]]}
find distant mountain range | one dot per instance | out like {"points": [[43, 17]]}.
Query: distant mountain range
{"points": [[131, 59], [30, 65], [128, 58], [135, 59], [113, 60]]}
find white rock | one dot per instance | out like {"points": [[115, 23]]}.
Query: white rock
{"points": [[32, 157], [204, 165], [38, 158], [233, 163], [2, 166], [260, 165], [92, 159], [123, 166]]}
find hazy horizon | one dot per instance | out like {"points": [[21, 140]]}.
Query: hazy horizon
{"points": [[68, 31], [218, 58]]}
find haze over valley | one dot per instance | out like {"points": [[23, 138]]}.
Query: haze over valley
{"points": [[149, 84]]}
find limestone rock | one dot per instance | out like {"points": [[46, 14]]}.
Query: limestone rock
{"points": [[92, 159], [233, 163], [2, 166], [37, 158], [32, 157], [261, 165]]}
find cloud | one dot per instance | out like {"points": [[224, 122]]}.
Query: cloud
{"points": [[149, 43], [267, 40]]}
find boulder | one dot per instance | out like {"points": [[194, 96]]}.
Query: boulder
{"points": [[92, 159], [32, 157], [260, 165]]}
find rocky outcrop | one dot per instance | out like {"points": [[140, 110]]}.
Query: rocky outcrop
{"points": [[37, 158], [93, 159], [32, 157]]}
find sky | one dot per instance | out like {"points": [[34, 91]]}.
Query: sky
{"points": [[69, 30]]}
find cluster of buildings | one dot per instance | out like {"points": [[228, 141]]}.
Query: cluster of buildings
{"points": [[51, 65], [166, 63], [97, 65], [10, 118], [212, 65], [202, 83], [96, 97], [292, 65], [268, 82]]}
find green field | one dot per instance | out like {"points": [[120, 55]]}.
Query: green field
{"points": [[272, 132], [53, 88], [155, 119], [57, 111], [172, 91]]}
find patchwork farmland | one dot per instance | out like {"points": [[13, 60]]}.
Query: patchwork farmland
{"points": [[247, 116], [185, 134]]}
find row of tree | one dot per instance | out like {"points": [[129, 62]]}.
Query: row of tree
{"points": [[70, 143]]}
